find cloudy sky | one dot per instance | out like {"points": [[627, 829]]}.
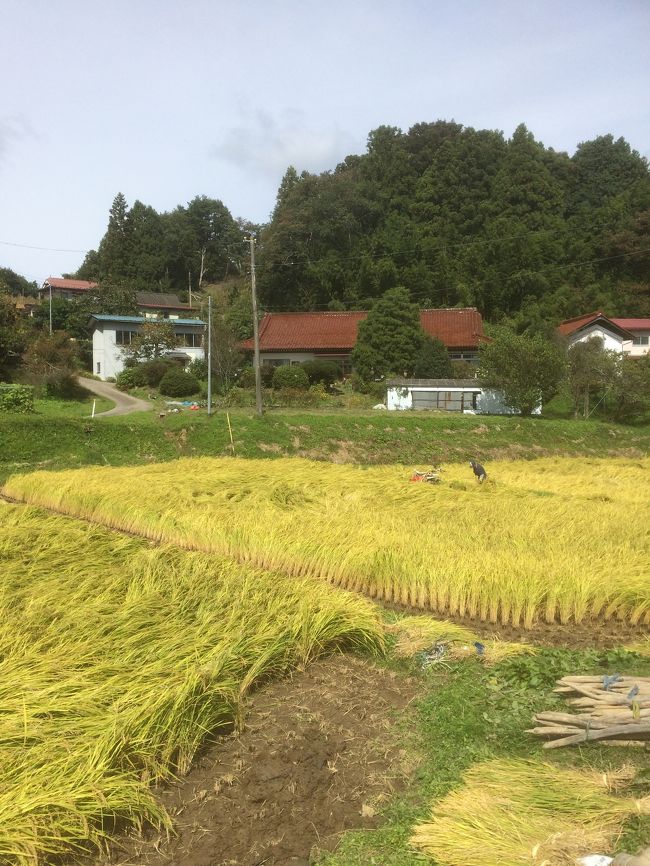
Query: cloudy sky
{"points": [[167, 99]]}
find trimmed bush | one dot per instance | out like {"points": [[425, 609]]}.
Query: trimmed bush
{"points": [[318, 370], [290, 376], [16, 398], [178, 383], [153, 371]]}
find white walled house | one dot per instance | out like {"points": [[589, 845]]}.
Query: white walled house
{"points": [[111, 334], [640, 330], [615, 336], [448, 395]]}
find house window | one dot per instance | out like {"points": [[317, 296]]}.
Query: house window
{"points": [[641, 340], [123, 338], [275, 362], [193, 340], [99, 368]]}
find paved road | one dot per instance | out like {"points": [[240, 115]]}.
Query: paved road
{"points": [[124, 403]]}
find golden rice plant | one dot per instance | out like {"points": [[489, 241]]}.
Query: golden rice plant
{"points": [[558, 539], [527, 813], [116, 659]]}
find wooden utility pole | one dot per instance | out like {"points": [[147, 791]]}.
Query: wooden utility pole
{"points": [[256, 334], [209, 354], [189, 285]]}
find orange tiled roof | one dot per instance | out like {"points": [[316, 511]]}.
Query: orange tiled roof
{"points": [[570, 326], [286, 332]]}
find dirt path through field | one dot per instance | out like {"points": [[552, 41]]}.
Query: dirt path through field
{"points": [[320, 752]]}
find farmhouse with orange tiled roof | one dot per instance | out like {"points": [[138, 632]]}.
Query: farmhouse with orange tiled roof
{"points": [[625, 336], [291, 338]]}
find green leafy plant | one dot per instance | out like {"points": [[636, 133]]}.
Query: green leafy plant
{"points": [[16, 398], [178, 383], [290, 376]]}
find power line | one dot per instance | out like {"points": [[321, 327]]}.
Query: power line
{"points": [[45, 249]]}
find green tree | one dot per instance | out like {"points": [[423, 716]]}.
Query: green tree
{"points": [[432, 361], [390, 339], [115, 248], [630, 389], [11, 338], [154, 340], [227, 360], [591, 370], [50, 354], [528, 370], [13, 284]]}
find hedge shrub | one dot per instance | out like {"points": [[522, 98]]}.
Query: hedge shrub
{"points": [[16, 398], [177, 383], [126, 380], [290, 376], [319, 370]]}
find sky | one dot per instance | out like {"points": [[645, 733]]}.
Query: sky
{"points": [[164, 100]]}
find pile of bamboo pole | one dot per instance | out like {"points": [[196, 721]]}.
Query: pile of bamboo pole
{"points": [[615, 708]]}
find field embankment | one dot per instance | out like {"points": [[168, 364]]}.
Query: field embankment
{"points": [[558, 540], [118, 658], [39, 441]]}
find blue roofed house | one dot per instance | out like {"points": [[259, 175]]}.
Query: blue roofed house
{"points": [[111, 334]]}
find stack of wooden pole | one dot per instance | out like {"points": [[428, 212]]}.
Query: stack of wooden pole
{"points": [[614, 708]]}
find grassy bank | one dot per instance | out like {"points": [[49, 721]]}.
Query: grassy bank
{"points": [[55, 440]]}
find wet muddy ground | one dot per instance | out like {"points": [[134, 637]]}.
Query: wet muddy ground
{"points": [[319, 754]]}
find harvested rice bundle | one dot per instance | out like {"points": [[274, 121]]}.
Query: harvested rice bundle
{"points": [[417, 633], [527, 813]]}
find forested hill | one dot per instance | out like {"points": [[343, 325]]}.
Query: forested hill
{"points": [[457, 215], [465, 216]]}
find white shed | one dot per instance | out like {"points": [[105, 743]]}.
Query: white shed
{"points": [[449, 395]]}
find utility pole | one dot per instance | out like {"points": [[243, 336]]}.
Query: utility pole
{"points": [[189, 285], [50, 310], [256, 334], [209, 354]]}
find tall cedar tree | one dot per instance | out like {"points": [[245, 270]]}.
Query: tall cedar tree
{"points": [[390, 339]]}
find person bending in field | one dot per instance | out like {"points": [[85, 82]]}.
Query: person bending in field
{"points": [[479, 471]]}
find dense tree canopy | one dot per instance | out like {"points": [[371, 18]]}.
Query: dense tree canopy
{"points": [[160, 251], [465, 216], [528, 370]]}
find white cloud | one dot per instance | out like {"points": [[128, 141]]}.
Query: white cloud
{"points": [[268, 146]]}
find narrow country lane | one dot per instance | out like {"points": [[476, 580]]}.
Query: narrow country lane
{"points": [[124, 403]]}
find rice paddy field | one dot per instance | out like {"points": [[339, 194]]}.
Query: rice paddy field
{"points": [[140, 606], [118, 658], [559, 540]]}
